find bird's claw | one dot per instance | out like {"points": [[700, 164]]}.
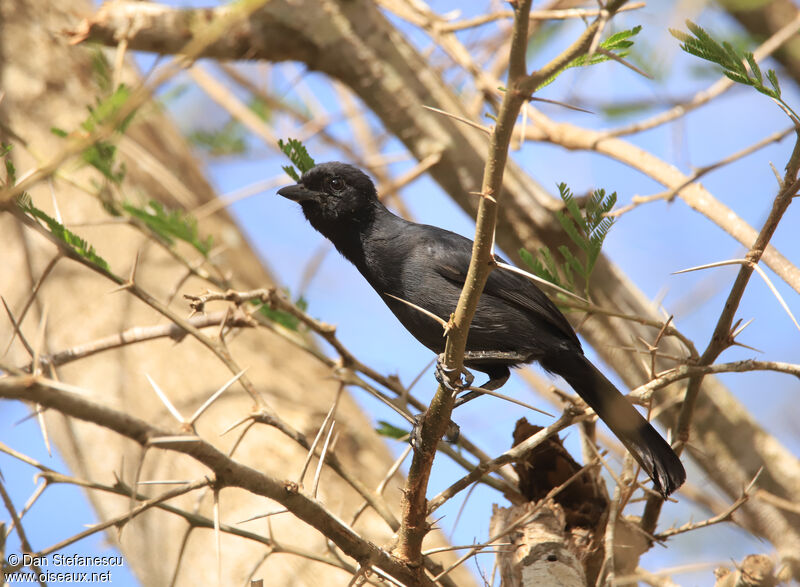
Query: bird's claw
{"points": [[451, 435], [443, 375]]}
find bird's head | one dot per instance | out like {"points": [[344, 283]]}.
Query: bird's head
{"points": [[332, 193]]}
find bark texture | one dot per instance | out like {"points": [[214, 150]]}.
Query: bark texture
{"points": [[49, 83], [353, 42]]}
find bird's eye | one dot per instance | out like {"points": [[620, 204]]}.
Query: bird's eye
{"points": [[337, 184]]}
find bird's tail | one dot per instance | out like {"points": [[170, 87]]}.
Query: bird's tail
{"points": [[646, 445]]}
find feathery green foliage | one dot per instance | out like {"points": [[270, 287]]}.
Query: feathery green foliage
{"points": [[25, 203], [545, 266], [102, 72], [226, 141], [102, 153], [170, 224], [737, 65], [231, 137], [619, 44], [11, 171], [587, 228], [298, 155], [69, 238]]}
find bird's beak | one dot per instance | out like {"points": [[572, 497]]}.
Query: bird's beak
{"points": [[297, 192]]}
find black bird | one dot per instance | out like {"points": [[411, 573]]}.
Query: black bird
{"points": [[515, 322]]}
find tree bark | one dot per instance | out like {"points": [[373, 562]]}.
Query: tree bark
{"points": [[49, 83], [354, 43]]}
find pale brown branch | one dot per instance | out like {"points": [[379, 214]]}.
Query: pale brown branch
{"points": [[644, 392], [347, 375], [139, 334], [778, 502], [670, 194], [725, 516], [555, 14], [693, 194], [228, 473]]}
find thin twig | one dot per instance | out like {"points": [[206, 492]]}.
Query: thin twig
{"points": [[670, 194], [227, 472]]}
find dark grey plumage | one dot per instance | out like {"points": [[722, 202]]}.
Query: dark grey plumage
{"points": [[515, 322]]}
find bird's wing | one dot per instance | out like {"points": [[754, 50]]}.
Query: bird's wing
{"points": [[452, 252]]}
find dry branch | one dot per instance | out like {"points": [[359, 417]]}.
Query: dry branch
{"points": [[227, 472], [447, 172]]}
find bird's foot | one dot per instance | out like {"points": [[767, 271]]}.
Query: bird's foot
{"points": [[445, 378], [451, 435], [444, 375]]}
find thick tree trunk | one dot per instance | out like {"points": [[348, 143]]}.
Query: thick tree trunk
{"points": [[49, 83]]}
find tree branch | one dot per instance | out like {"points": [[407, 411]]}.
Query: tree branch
{"points": [[227, 472]]}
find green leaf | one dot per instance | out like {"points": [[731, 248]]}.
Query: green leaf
{"points": [[732, 61], [11, 170], [261, 109], [737, 77], [102, 154], [599, 224], [527, 258], [546, 270], [69, 238], [612, 110], [390, 430], [285, 319], [773, 80], [587, 228], [298, 155], [108, 108], [571, 229], [170, 224], [173, 93], [680, 35], [572, 261], [550, 264], [570, 279], [291, 172], [621, 40], [618, 44], [101, 70], [703, 38], [229, 140]]}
